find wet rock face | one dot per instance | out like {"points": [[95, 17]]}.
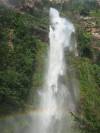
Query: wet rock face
{"points": [[13, 2], [19, 3], [9, 2]]}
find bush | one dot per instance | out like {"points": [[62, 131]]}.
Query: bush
{"points": [[19, 65], [89, 77]]}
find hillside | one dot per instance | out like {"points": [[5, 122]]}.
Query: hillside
{"points": [[22, 48], [23, 51]]}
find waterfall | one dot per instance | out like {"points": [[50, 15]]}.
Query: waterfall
{"points": [[58, 97], [59, 94]]}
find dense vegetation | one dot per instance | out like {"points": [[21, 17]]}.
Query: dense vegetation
{"points": [[21, 53], [88, 66], [23, 37], [86, 17]]}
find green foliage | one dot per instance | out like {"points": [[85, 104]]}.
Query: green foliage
{"points": [[89, 77], [19, 65], [78, 5], [84, 43], [95, 13], [21, 68]]}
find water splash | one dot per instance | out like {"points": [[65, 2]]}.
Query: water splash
{"points": [[58, 98]]}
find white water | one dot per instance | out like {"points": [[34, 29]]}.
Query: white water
{"points": [[59, 95], [58, 98]]}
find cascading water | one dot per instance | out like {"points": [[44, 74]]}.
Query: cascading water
{"points": [[58, 97]]}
